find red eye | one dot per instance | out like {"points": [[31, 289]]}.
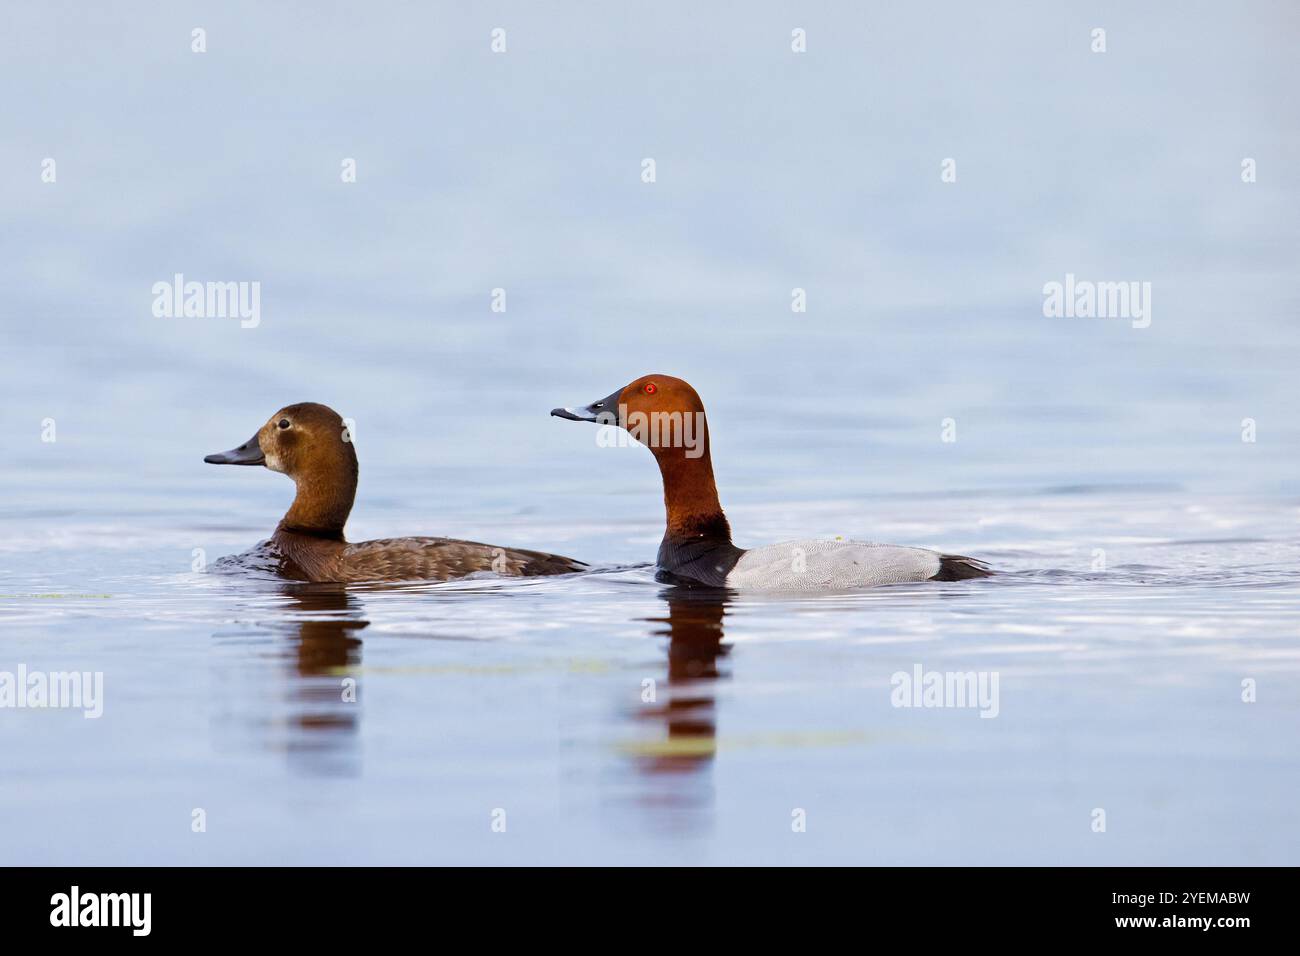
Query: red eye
{"points": [[651, 388]]}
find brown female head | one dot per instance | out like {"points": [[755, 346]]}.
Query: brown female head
{"points": [[311, 444]]}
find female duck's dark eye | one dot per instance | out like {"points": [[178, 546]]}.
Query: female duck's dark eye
{"points": [[284, 423]]}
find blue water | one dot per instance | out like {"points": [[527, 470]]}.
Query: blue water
{"points": [[1151, 556]]}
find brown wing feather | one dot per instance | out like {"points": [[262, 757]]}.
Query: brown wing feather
{"points": [[441, 559]]}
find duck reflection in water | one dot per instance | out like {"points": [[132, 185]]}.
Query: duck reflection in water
{"points": [[694, 630], [323, 701]]}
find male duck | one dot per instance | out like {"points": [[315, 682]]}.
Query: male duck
{"points": [[666, 414], [310, 444]]}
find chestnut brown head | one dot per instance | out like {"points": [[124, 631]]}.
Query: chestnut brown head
{"points": [[660, 411], [666, 415]]}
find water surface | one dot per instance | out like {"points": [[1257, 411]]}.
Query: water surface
{"points": [[614, 719]]}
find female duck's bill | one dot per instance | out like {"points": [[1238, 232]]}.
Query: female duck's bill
{"points": [[249, 453], [312, 445], [666, 414]]}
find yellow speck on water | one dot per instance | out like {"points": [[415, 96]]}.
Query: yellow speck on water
{"points": [[673, 747], [791, 740], [435, 670], [591, 666]]}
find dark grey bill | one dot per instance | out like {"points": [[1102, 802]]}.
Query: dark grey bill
{"points": [[249, 453], [604, 411]]}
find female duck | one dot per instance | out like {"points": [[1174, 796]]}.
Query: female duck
{"points": [[309, 443], [667, 415]]}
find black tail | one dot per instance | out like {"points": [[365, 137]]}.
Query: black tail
{"points": [[955, 567]]}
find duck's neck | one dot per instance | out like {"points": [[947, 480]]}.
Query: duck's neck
{"points": [[697, 541], [690, 495], [324, 500]]}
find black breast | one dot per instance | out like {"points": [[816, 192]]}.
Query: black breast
{"points": [[701, 559]]}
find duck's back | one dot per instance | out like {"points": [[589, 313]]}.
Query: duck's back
{"points": [[441, 559], [834, 565], [407, 559]]}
